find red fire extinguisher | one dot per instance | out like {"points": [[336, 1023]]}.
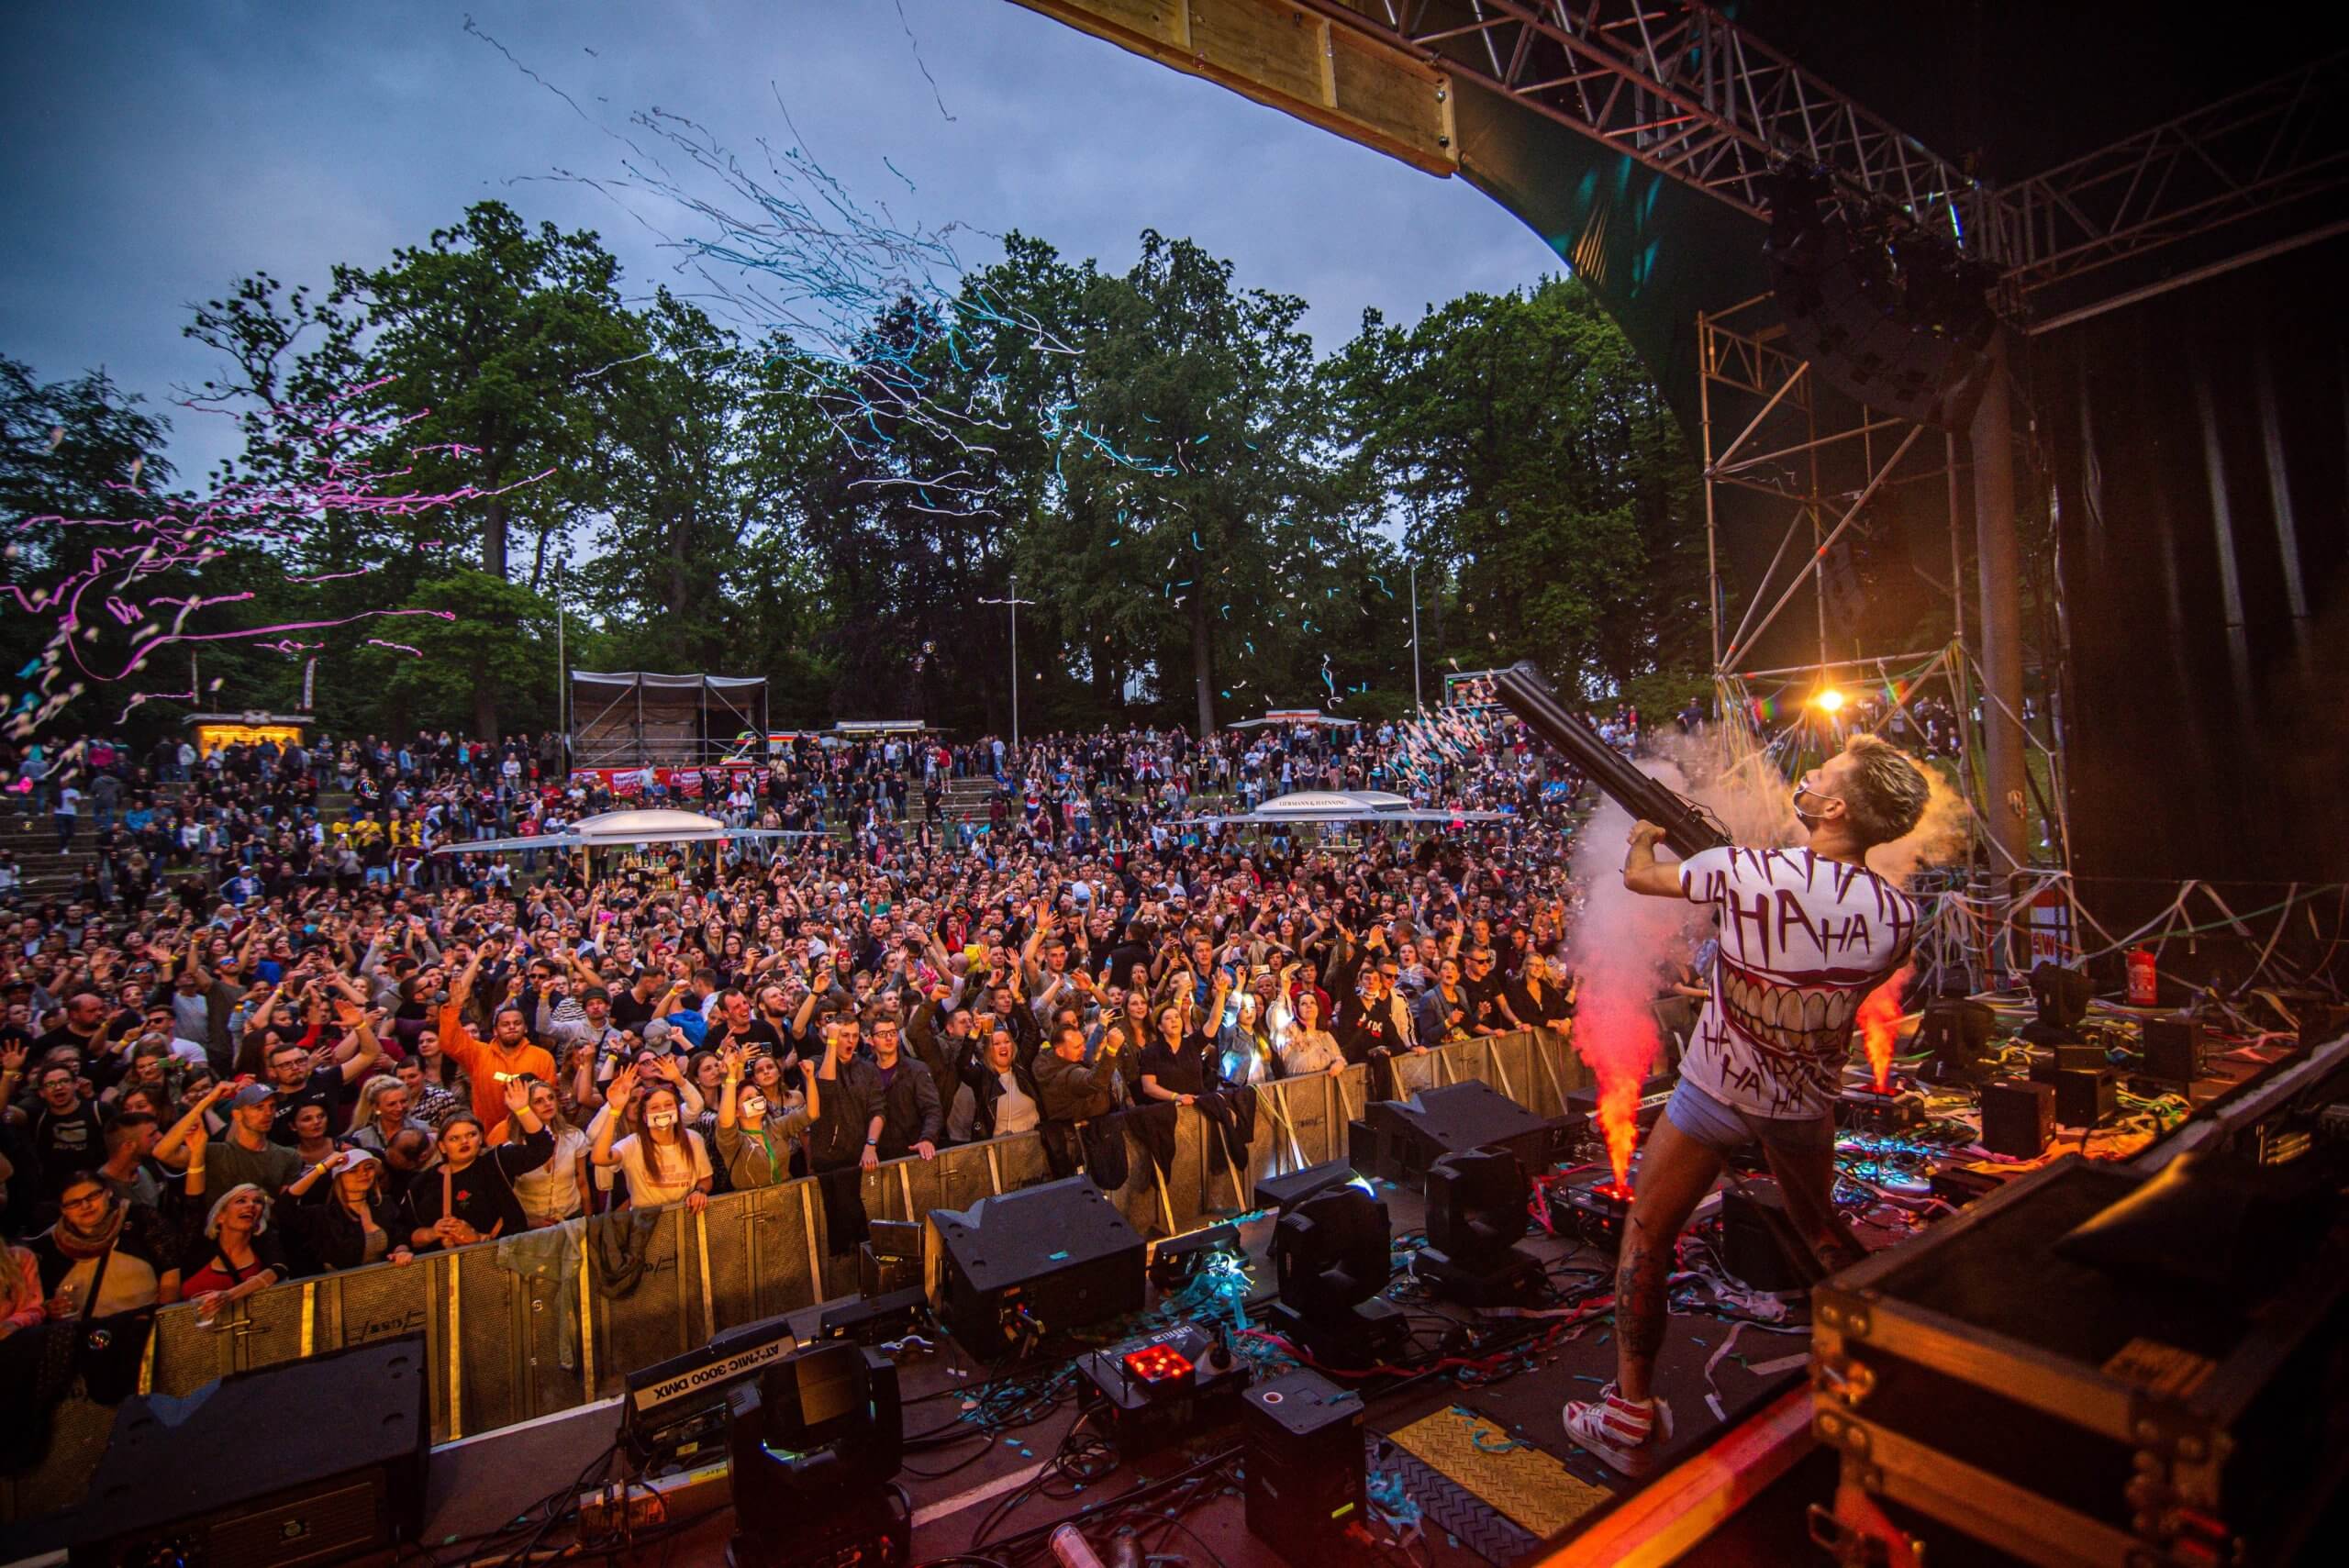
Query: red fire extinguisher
{"points": [[2143, 978]]}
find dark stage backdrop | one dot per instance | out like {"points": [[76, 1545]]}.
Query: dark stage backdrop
{"points": [[2197, 445]]}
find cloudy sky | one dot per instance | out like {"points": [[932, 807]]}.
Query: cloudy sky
{"points": [[161, 149]]}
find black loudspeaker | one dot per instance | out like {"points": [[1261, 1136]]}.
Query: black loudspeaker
{"points": [[2174, 1047], [2085, 1096], [1458, 1120], [1043, 1259], [2018, 1118], [813, 1444], [1305, 1466], [1901, 324], [1760, 1244], [308, 1462]]}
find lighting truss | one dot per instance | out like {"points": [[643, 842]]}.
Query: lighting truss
{"points": [[1676, 86]]}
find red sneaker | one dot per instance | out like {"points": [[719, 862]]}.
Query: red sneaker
{"points": [[1624, 1435]]}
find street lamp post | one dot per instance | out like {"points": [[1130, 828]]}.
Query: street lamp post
{"points": [[1012, 606], [1417, 701]]}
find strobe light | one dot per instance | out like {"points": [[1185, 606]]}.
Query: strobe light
{"points": [[1476, 1215], [814, 1444], [1331, 1258]]}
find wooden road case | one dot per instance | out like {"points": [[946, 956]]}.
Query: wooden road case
{"points": [[2065, 1416]]}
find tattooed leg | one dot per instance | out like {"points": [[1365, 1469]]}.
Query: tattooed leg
{"points": [[1676, 1172]]}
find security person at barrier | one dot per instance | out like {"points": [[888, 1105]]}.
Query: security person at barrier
{"points": [[1079, 1101]]}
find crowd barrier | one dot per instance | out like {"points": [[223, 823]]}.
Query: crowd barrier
{"points": [[533, 1324]]}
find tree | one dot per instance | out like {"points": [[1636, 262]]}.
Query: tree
{"points": [[70, 450], [673, 488], [494, 633], [1523, 447], [495, 338]]}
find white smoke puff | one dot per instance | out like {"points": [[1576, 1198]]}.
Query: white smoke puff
{"points": [[1941, 836]]}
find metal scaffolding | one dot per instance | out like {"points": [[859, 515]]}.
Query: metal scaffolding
{"points": [[1680, 88]]}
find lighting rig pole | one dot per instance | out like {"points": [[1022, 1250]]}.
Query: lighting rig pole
{"points": [[1012, 604]]}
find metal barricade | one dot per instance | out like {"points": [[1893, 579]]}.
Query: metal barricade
{"points": [[531, 1325]]}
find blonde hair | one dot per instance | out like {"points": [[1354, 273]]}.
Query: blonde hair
{"points": [[1887, 792]]}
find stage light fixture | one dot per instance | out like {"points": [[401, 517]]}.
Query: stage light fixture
{"points": [[1330, 1257], [2060, 998], [1477, 1215], [1828, 700], [814, 1444]]}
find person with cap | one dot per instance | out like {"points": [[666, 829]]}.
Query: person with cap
{"points": [[506, 1057], [237, 1255], [359, 1223], [246, 1154], [594, 1028]]}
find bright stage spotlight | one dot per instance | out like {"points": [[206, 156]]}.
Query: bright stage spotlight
{"points": [[1828, 700], [1329, 1254]]}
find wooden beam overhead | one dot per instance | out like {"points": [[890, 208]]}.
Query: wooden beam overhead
{"points": [[1287, 57]]}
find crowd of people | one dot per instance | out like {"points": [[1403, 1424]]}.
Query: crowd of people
{"points": [[333, 1044]]}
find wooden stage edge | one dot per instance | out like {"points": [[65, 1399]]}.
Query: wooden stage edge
{"points": [[1677, 1510]]}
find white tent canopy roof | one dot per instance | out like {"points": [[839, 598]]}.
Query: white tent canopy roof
{"points": [[649, 825]]}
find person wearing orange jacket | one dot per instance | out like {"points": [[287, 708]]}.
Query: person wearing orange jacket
{"points": [[490, 1063]]}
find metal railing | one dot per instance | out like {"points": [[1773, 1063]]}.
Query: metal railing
{"points": [[531, 1325]]}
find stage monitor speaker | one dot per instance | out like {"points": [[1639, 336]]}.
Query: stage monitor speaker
{"points": [[1043, 1259], [305, 1463], [1459, 1119], [2018, 1118], [1902, 329], [1760, 1244], [2174, 1048]]}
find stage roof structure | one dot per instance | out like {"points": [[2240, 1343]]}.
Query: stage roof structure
{"points": [[640, 718]]}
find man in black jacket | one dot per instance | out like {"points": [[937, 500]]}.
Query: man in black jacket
{"points": [[908, 1105], [1078, 1101]]}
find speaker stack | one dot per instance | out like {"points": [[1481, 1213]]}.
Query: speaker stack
{"points": [[1895, 318]]}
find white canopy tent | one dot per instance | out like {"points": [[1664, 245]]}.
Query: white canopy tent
{"points": [[619, 829], [1343, 805], [1290, 717]]}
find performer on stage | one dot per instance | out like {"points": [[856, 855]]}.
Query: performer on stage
{"points": [[1805, 934]]}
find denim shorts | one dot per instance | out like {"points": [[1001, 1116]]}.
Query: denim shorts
{"points": [[1724, 1129]]}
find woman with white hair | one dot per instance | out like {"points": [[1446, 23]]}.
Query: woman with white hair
{"points": [[237, 1253]]}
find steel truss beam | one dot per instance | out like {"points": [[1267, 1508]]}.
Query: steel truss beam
{"points": [[1678, 87]]}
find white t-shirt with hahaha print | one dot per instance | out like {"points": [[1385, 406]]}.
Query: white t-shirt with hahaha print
{"points": [[1803, 939]]}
